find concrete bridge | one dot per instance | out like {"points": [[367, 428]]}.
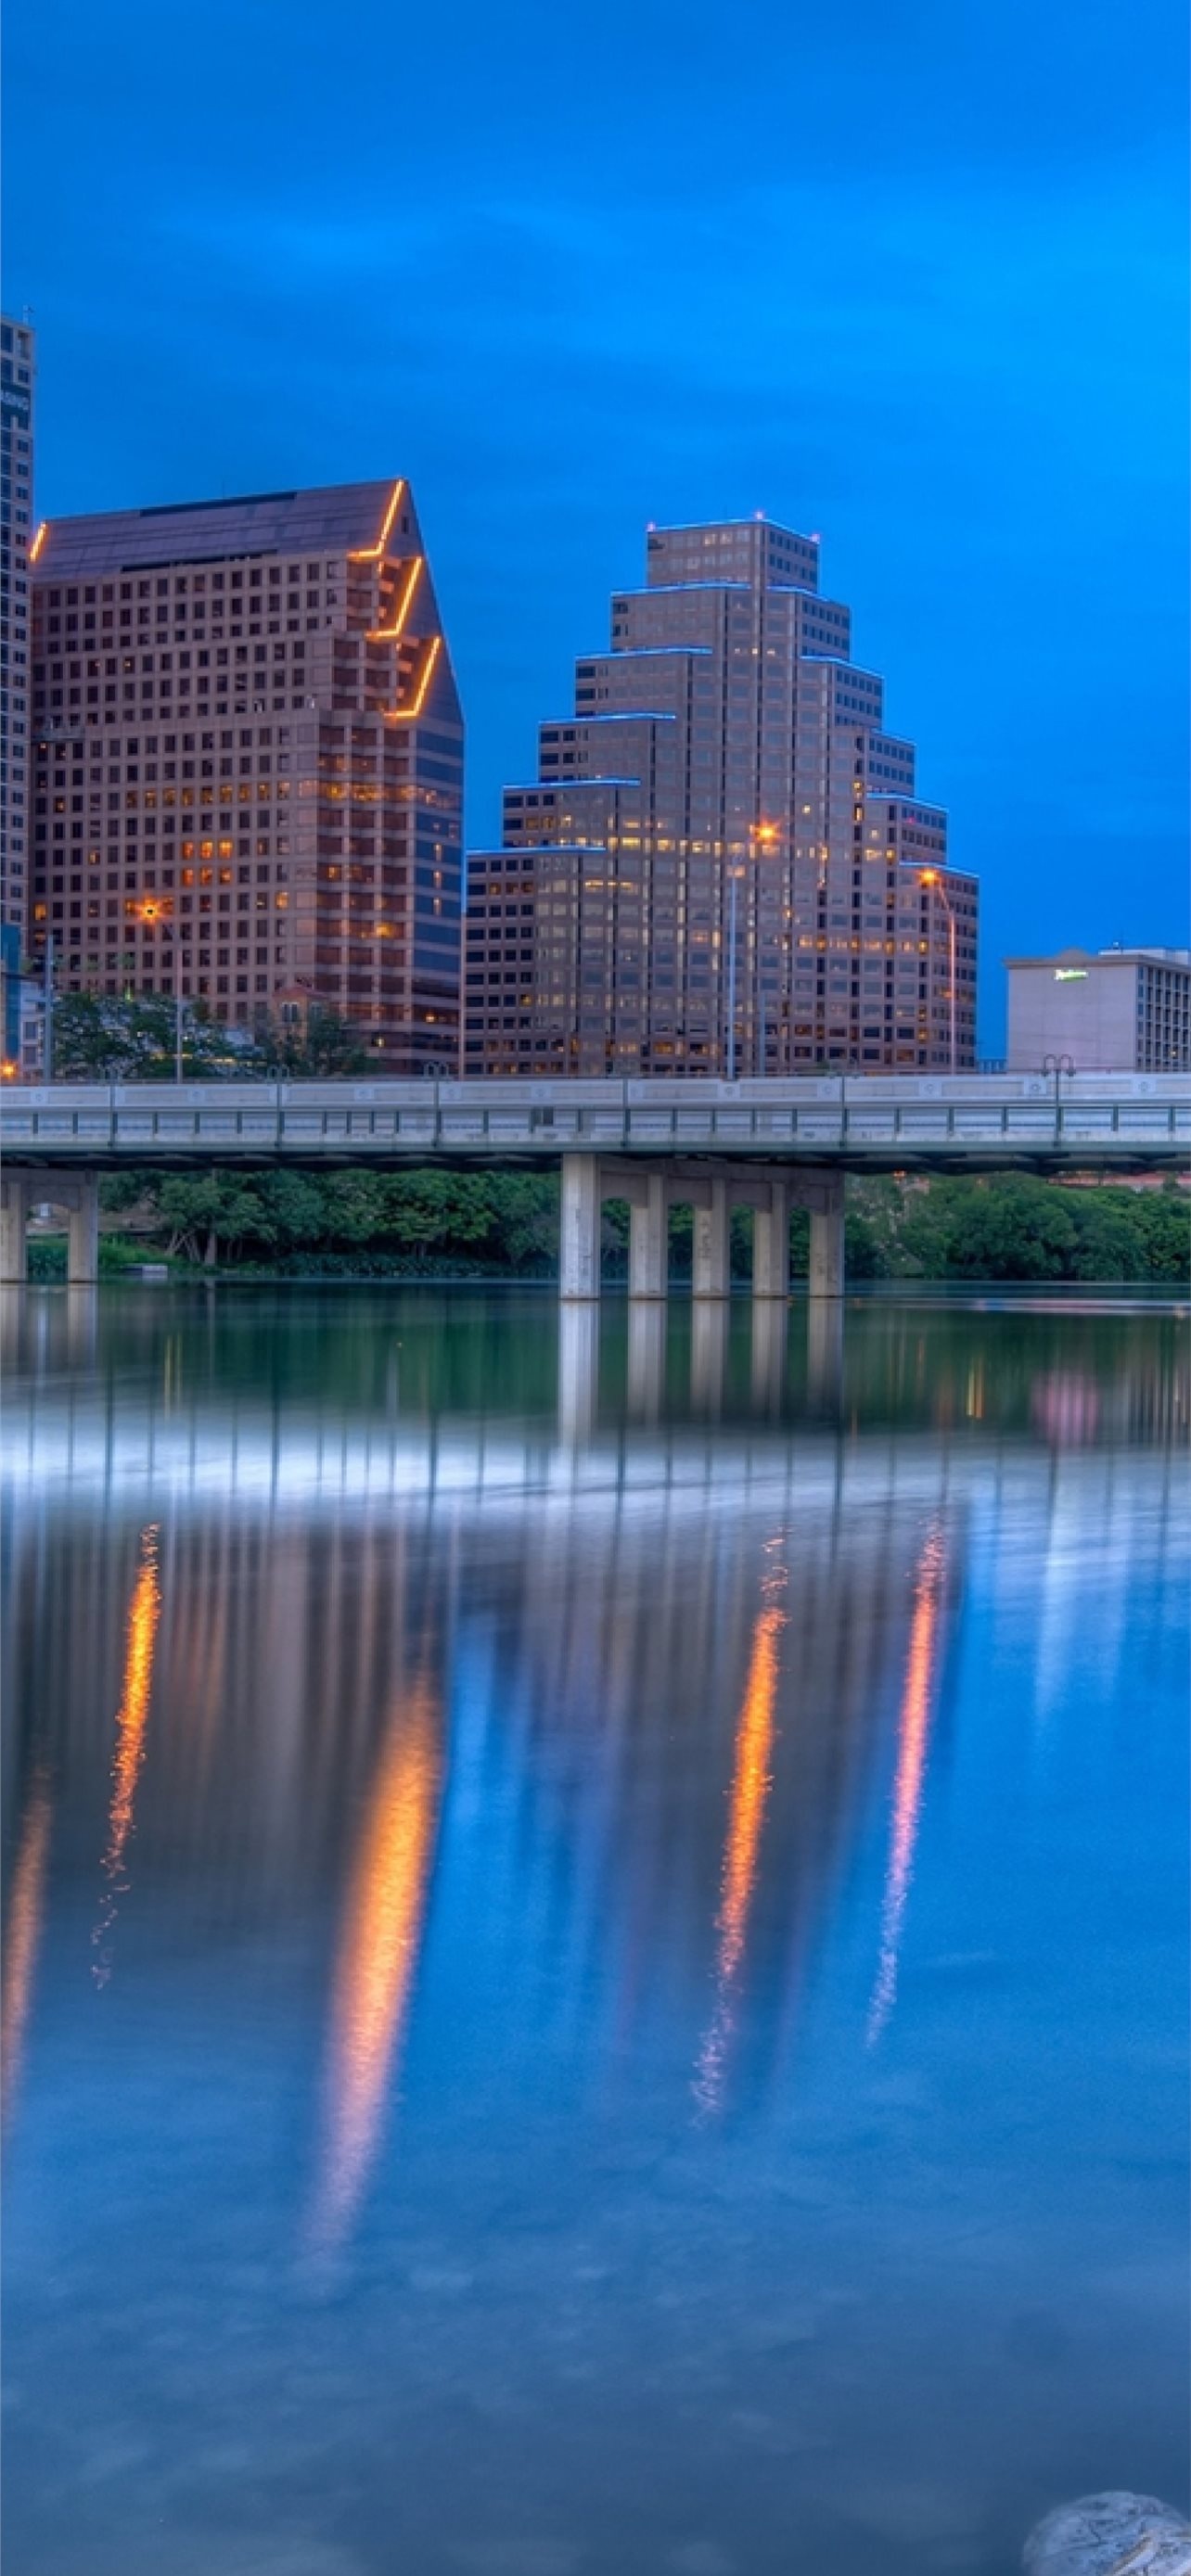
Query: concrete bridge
{"points": [[711, 1146]]}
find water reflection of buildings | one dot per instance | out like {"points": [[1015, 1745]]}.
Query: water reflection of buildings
{"points": [[526, 1668], [914, 1720], [132, 1718], [751, 1782], [378, 1954], [22, 1929]]}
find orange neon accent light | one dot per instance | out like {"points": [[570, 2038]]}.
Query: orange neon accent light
{"points": [[389, 634], [22, 1932], [131, 1720], [407, 715], [913, 1738], [370, 554], [39, 540], [378, 1958], [751, 1782]]}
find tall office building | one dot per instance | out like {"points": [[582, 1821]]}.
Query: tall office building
{"points": [[249, 762], [16, 506], [723, 865]]}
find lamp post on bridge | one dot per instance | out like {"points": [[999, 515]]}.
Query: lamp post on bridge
{"points": [[763, 838], [152, 911], [1058, 1065], [933, 878]]}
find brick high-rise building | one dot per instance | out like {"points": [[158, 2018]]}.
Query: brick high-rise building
{"points": [[249, 762], [723, 865], [16, 506]]}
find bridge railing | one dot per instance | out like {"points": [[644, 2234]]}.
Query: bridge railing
{"points": [[876, 1115]]}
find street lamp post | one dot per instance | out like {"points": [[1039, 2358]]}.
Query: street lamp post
{"points": [[732, 975], [932, 877], [153, 911], [48, 1050], [1058, 1065]]}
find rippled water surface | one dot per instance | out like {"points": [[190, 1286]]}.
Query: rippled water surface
{"points": [[595, 1979]]}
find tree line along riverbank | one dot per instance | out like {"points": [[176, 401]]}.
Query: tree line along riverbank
{"points": [[504, 1225]]}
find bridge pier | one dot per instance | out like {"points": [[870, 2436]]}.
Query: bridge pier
{"points": [[771, 1244], [711, 1240], [80, 1198], [652, 1189], [826, 1274], [582, 1200], [648, 1236], [77, 1195], [15, 1203]]}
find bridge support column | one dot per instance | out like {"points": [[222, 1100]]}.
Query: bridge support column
{"points": [[711, 1242], [579, 1264], [80, 1198], [15, 1202], [826, 1278], [648, 1237], [771, 1244]]}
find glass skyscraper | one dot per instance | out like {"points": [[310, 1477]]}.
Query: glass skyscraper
{"points": [[724, 865]]}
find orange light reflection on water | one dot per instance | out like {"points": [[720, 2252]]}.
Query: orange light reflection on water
{"points": [[131, 1720], [378, 1957], [22, 1932], [913, 1738], [751, 1782]]}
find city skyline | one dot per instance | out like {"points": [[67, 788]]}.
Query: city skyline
{"points": [[978, 391]]}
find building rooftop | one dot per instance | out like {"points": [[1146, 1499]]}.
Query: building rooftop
{"points": [[338, 518], [1108, 957]]}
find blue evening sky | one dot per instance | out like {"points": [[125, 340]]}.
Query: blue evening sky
{"points": [[911, 277]]}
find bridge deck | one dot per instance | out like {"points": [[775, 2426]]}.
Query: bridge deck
{"points": [[870, 1123]]}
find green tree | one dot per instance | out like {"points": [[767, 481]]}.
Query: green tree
{"points": [[100, 1038], [1164, 1231], [323, 1044], [212, 1209]]}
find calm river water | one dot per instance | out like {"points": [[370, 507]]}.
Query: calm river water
{"points": [[596, 1963]]}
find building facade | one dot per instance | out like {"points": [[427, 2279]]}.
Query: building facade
{"points": [[723, 866], [16, 525], [248, 763], [1124, 1010]]}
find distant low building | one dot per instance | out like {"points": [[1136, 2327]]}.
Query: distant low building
{"points": [[1121, 1010]]}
